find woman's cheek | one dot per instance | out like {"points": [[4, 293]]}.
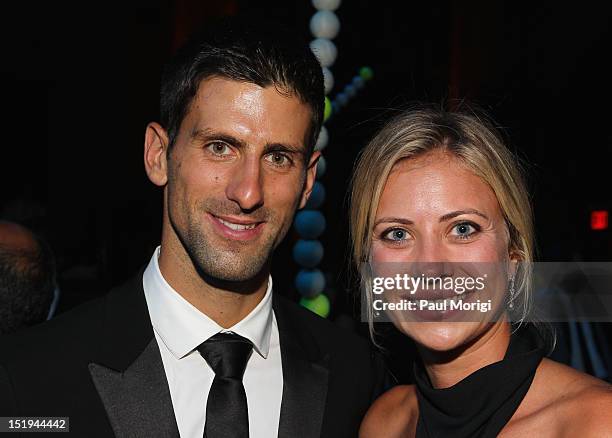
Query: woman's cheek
{"points": [[382, 253]]}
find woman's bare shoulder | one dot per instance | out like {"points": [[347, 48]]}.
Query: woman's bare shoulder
{"points": [[567, 383], [586, 402], [393, 414], [578, 402], [592, 412]]}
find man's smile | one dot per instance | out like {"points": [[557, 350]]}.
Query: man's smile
{"points": [[236, 228]]}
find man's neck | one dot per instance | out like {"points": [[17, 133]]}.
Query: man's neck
{"points": [[225, 307]]}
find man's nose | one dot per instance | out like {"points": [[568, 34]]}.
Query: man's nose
{"points": [[246, 184]]}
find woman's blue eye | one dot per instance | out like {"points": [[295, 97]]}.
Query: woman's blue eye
{"points": [[464, 230], [396, 234]]}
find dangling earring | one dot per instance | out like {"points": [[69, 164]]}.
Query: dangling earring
{"points": [[511, 292]]}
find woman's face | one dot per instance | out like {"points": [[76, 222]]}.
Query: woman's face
{"points": [[438, 217]]}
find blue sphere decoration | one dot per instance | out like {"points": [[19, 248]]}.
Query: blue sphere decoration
{"points": [[322, 140], [342, 99], [350, 90], [310, 224], [358, 82], [310, 282], [308, 253], [321, 167], [317, 197]]}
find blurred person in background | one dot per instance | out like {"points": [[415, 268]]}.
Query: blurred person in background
{"points": [[27, 278]]}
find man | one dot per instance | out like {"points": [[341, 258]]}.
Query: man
{"points": [[198, 344], [27, 278]]}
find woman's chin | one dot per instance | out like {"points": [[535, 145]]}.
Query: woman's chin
{"points": [[441, 336]]}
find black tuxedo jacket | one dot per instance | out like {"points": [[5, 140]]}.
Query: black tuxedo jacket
{"points": [[100, 366]]}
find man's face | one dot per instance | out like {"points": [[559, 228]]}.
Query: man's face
{"points": [[236, 174]]}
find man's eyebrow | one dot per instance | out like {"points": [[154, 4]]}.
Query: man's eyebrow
{"points": [[398, 220], [283, 147], [454, 214], [204, 135]]}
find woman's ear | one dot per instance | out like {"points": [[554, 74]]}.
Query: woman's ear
{"points": [[155, 154], [515, 258]]}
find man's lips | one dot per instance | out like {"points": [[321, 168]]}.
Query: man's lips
{"points": [[236, 228], [237, 223]]}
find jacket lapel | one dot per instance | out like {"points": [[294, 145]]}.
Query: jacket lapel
{"points": [[137, 400], [305, 378], [129, 373]]}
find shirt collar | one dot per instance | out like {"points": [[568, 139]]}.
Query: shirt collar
{"points": [[182, 327]]}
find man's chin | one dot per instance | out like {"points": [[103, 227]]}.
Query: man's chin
{"points": [[229, 273]]}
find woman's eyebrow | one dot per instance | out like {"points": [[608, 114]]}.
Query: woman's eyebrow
{"points": [[399, 220], [444, 218], [456, 213]]}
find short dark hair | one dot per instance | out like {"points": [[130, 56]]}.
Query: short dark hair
{"points": [[234, 49], [27, 285]]}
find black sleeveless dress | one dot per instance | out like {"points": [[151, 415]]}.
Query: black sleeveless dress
{"points": [[481, 404]]}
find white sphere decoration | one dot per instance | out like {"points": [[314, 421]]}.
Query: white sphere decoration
{"points": [[328, 79], [321, 167], [322, 139], [325, 24], [324, 50], [326, 5]]}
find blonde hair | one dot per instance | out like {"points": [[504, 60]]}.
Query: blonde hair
{"points": [[474, 142]]}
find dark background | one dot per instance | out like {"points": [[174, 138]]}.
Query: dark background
{"points": [[78, 83]]}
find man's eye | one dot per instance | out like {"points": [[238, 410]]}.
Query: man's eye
{"points": [[395, 235], [218, 148], [278, 159], [465, 230]]}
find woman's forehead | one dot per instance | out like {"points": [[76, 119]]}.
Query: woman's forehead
{"points": [[437, 181], [433, 157]]}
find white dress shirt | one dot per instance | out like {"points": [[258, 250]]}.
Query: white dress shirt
{"points": [[180, 328]]}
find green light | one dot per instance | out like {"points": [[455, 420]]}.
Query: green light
{"points": [[319, 304], [327, 112], [366, 73]]}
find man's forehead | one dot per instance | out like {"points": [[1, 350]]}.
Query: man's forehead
{"points": [[220, 86], [244, 109]]}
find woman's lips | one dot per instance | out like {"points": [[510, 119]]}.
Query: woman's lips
{"points": [[432, 294], [423, 312]]}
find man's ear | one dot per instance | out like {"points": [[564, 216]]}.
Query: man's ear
{"points": [[311, 175], [155, 154]]}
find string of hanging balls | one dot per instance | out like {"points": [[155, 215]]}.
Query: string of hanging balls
{"points": [[310, 223]]}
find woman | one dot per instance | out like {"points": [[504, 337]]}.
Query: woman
{"points": [[439, 191]]}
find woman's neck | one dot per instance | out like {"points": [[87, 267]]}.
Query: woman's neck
{"points": [[446, 369]]}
